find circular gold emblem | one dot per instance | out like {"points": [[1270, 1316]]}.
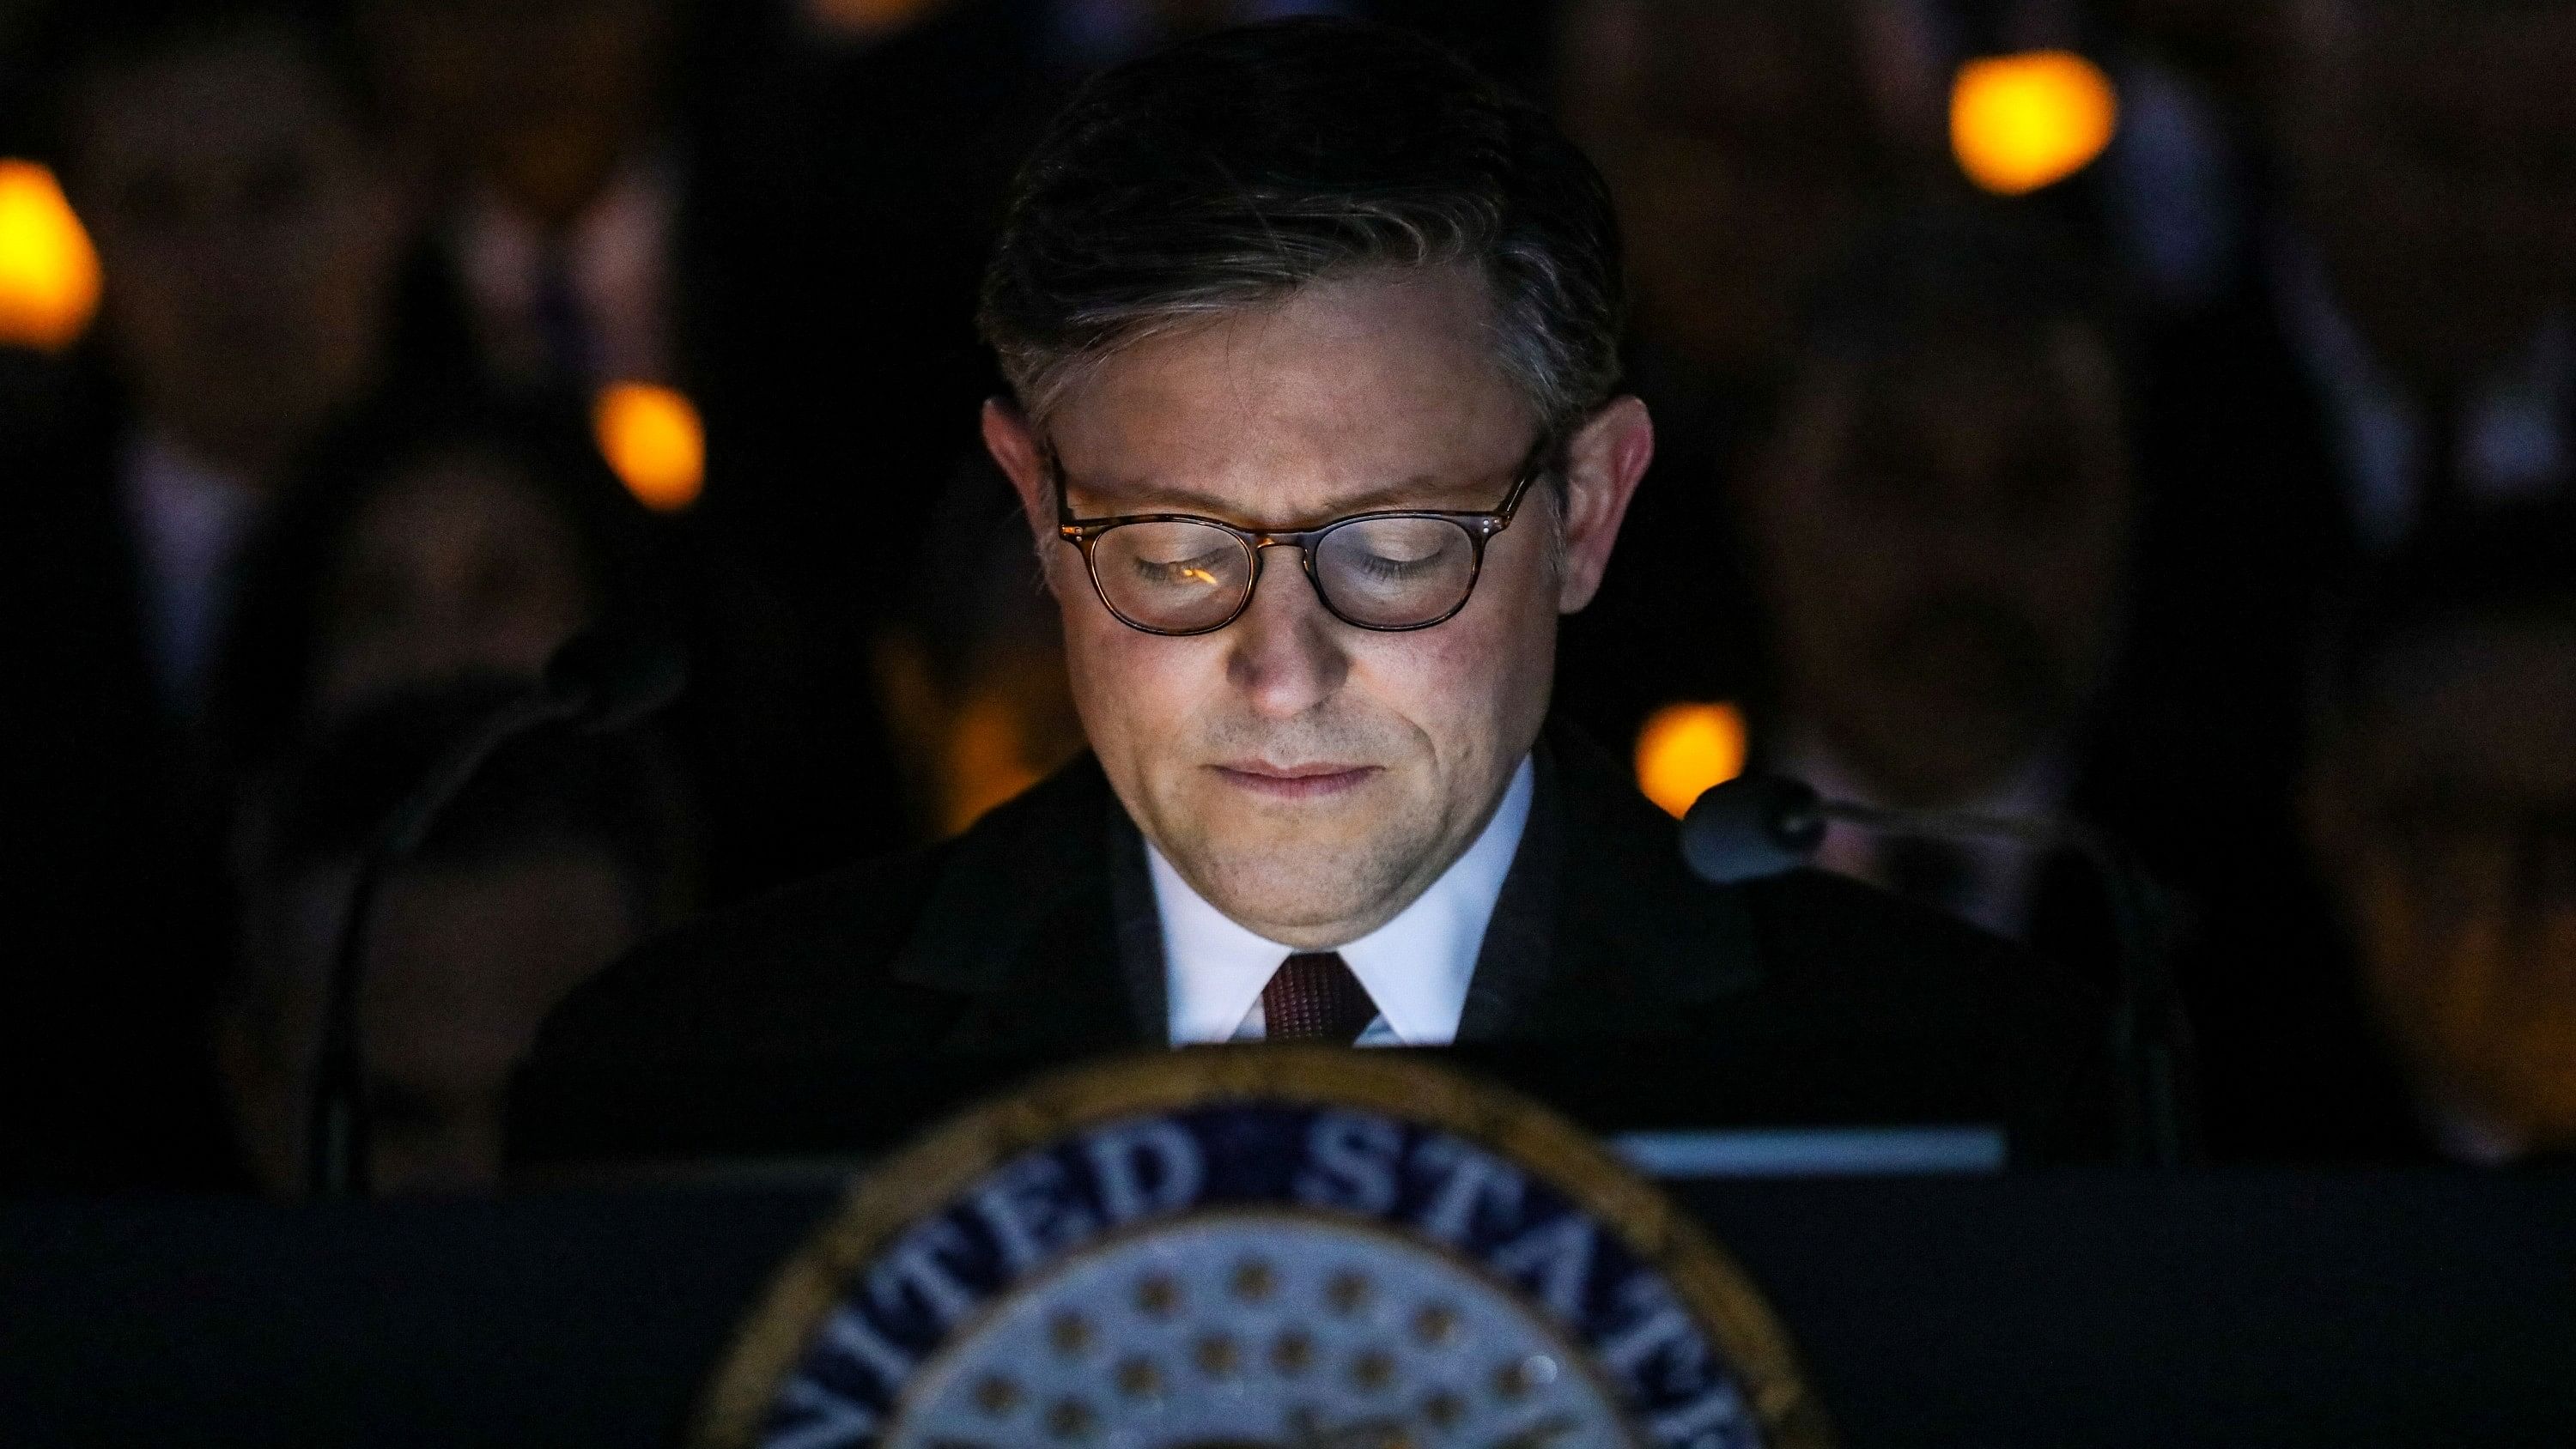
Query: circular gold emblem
{"points": [[1247, 1248]]}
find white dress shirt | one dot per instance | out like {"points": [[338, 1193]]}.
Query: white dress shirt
{"points": [[619, 255], [2173, 178], [2513, 441], [1416, 967], [190, 521]]}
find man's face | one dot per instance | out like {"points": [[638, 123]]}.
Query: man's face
{"points": [[1736, 137], [1941, 546], [2434, 154], [2445, 822], [248, 238], [1307, 777]]}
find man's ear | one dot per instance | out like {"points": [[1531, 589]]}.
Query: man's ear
{"points": [[1014, 446], [1603, 464]]}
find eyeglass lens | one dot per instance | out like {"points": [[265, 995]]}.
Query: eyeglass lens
{"points": [[1385, 573]]}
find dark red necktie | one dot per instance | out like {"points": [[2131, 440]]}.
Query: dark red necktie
{"points": [[1314, 997]]}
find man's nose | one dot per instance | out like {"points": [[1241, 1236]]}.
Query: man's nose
{"points": [[1287, 654]]}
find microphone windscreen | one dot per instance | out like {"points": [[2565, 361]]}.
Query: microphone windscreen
{"points": [[614, 674], [1752, 827]]}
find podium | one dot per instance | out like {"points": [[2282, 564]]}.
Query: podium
{"points": [[2054, 1308]]}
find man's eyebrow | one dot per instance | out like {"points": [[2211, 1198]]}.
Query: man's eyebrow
{"points": [[1132, 496]]}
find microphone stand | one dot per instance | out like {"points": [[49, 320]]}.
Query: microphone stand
{"points": [[336, 1129], [2152, 1039]]}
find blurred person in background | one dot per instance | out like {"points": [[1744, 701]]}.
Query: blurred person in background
{"points": [[2189, 164], [1747, 145], [562, 852], [544, 130], [701, 197], [626, 191], [2439, 810], [423, 544], [1939, 528], [2405, 354], [2399, 355], [974, 673], [432, 543], [224, 157]]}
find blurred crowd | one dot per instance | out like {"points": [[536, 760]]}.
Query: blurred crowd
{"points": [[2220, 493]]}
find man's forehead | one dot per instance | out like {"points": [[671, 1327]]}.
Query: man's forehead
{"points": [[1377, 381], [247, 95], [2484, 59]]}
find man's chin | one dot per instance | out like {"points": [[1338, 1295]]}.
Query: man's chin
{"points": [[1299, 909], [1292, 871]]}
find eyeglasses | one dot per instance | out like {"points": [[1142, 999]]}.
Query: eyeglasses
{"points": [[1179, 574]]}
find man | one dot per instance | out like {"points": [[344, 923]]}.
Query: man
{"points": [[1312, 339], [223, 160], [2440, 812], [2398, 358], [2403, 353], [1940, 526], [547, 119], [2400, 355]]}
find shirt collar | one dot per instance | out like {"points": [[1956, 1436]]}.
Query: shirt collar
{"points": [[616, 257], [1416, 967], [190, 520], [2513, 439]]}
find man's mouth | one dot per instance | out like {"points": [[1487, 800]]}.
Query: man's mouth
{"points": [[1312, 781]]}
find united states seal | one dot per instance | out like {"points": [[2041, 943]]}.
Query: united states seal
{"points": [[1263, 1248]]}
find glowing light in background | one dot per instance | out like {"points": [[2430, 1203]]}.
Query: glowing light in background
{"points": [[1685, 748], [652, 436], [868, 19], [2021, 122], [49, 277]]}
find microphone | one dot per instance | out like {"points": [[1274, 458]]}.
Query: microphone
{"points": [[1757, 826], [605, 678], [1752, 827]]}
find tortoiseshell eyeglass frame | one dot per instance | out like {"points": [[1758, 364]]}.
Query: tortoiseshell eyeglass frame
{"points": [[1480, 528]]}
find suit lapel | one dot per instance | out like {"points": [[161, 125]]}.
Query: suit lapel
{"points": [[1600, 931], [1519, 950], [1041, 922], [1020, 928]]}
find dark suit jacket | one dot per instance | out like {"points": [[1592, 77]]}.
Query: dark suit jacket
{"points": [[839, 1015], [2248, 548], [119, 922]]}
